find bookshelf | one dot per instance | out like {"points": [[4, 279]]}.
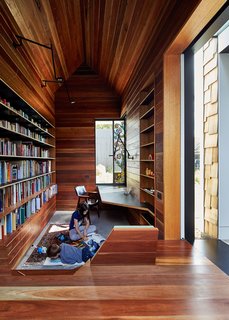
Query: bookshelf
{"points": [[147, 153], [27, 161]]}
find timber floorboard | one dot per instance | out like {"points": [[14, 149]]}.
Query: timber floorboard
{"points": [[183, 284]]}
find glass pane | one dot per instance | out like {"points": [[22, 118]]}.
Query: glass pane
{"points": [[119, 152], [104, 151]]}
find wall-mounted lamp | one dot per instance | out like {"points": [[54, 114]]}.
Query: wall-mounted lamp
{"points": [[128, 155], [124, 146], [43, 82], [71, 101]]}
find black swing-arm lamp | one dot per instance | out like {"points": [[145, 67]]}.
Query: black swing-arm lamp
{"points": [[124, 146], [43, 82]]}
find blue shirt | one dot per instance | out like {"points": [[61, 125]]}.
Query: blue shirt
{"points": [[76, 215], [70, 254]]}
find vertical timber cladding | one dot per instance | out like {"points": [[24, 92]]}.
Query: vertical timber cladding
{"points": [[211, 138], [75, 133], [132, 166], [133, 142]]}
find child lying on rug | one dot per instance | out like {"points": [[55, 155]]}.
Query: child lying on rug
{"points": [[69, 254]]}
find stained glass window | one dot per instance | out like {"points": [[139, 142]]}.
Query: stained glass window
{"points": [[119, 152], [110, 152]]}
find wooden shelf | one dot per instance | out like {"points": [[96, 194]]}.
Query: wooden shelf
{"points": [[147, 113], [147, 129], [147, 176], [149, 217], [25, 200], [25, 157], [18, 103], [19, 118], [146, 97], [147, 149], [5, 185], [146, 144], [23, 132], [147, 191], [24, 137]]}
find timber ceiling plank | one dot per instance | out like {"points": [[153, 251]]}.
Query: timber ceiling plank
{"points": [[117, 38]]}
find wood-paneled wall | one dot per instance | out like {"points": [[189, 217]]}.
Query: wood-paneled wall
{"points": [[75, 133], [18, 69], [150, 69], [133, 168], [124, 41], [22, 68], [172, 107]]}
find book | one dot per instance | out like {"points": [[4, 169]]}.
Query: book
{"points": [[33, 205], [14, 172], [1, 228], [14, 220], [22, 214], [9, 223], [2, 191], [38, 203]]}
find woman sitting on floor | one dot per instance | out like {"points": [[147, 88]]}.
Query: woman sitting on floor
{"points": [[79, 226]]}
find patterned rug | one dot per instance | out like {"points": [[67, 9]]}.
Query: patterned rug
{"points": [[51, 236], [59, 233]]}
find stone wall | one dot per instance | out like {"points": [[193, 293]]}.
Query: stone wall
{"points": [[211, 138]]}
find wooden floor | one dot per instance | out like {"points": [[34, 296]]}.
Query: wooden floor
{"points": [[182, 285]]}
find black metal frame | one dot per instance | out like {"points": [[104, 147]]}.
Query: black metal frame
{"points": [[124, 145], [43, 82], [112, 155], [70, 100], [189, 197]]}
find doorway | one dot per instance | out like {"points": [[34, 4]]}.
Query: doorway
{"points": [[209, 60], [110, 137]]}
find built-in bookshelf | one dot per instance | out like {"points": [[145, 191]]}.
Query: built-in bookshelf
{"points": [[147, 152], [27, 167]]}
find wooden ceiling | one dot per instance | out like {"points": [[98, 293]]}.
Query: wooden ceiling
{"points": [[113, 37]]}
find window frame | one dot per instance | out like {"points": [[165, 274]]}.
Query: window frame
{"points": [[125, 161]]}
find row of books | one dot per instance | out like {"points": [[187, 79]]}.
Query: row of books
{"points": [[13, 171], [14, 219], [17, 192], [16, 127], [20, 112], [21, 148]]}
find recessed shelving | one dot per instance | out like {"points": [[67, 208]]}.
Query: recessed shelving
{"points": [[147, 152], [147, 144], [147, 176], [27, 155]]}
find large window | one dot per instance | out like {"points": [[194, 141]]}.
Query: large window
{"points": [[203, 100], [110, 152]]}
